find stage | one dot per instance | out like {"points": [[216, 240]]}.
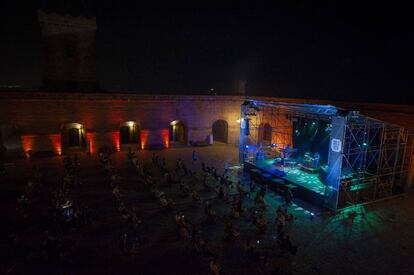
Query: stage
{"points": [[304, 185]]}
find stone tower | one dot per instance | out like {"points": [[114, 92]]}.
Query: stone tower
{"points": [[69, 57]]}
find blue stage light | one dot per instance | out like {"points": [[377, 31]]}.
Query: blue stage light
{"points": [[247, 146]]}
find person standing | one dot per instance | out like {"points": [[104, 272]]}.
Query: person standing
{"points": [[282, 158], [194, 156], [316, 159], [226, 168], [289, 196], [252, 185]]}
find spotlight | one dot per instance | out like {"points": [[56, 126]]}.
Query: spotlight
{"points": [[247, 146], [130, 124]]}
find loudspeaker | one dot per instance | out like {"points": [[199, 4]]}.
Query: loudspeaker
{"points": [[247, 129]]}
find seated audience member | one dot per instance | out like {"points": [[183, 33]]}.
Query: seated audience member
{"points": [[195, 196], [215, 267]]}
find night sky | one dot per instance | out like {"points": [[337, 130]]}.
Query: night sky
{"points": [[295, 49]]}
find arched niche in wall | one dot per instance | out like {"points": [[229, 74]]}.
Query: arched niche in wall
{"points": [[11, 140], [220, 131], [129, 134], [178, 132], [265, 133], [73, 137]]}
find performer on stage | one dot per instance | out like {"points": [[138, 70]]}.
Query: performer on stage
{"points": [[287, 148], [282, 158], [260, 154], [316, 158], [284, 154]]}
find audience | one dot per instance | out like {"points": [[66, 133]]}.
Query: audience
{"points": [[158, 180]]}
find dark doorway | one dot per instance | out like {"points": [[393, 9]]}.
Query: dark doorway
{"points": [[125, 135], [74, 139], [178, 132], [220, 131], [129, 133], [265, 133], [73, 136]]}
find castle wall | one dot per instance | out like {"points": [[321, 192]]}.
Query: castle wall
{"points": [[37, 117], [32, 121]]}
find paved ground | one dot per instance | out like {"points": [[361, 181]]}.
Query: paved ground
{"points": [[379, 240]]}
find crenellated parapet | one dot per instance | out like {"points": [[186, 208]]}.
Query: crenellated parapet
{"points": [[55, 24], [69, 46]]}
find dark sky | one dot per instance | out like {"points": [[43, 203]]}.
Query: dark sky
{"points": [[295, 49]]}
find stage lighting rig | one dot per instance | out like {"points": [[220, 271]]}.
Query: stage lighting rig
{"points": [[250, 114]]}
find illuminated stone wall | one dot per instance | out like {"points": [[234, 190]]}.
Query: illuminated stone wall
{"points": [[32, 121], [37, 117]]}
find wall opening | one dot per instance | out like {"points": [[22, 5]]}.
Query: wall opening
{"points": [[220, 131], [74, 140], [129, 133], [73, 136], [265, 133], [178, 132]]}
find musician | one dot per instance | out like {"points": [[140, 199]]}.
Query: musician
{"points": [[260, 154], [316, 158], [282, 158], [284, 153], [287, 149]]}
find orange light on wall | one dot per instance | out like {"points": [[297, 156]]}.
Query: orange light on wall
{"points": [[144, 138], [27, 142], [56, 142], [116, 140], [165, 137], [90, 138], [282, 139]]}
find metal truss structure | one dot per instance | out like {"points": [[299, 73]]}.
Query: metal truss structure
{"points": [[374, 159]]}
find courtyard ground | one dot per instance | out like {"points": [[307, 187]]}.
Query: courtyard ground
{"points": [[378, 240]]}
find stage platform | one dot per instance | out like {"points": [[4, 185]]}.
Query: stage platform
{"points": [[304, 185]]}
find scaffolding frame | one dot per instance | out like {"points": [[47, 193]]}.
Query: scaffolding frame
{"points": [[375, 156]]}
